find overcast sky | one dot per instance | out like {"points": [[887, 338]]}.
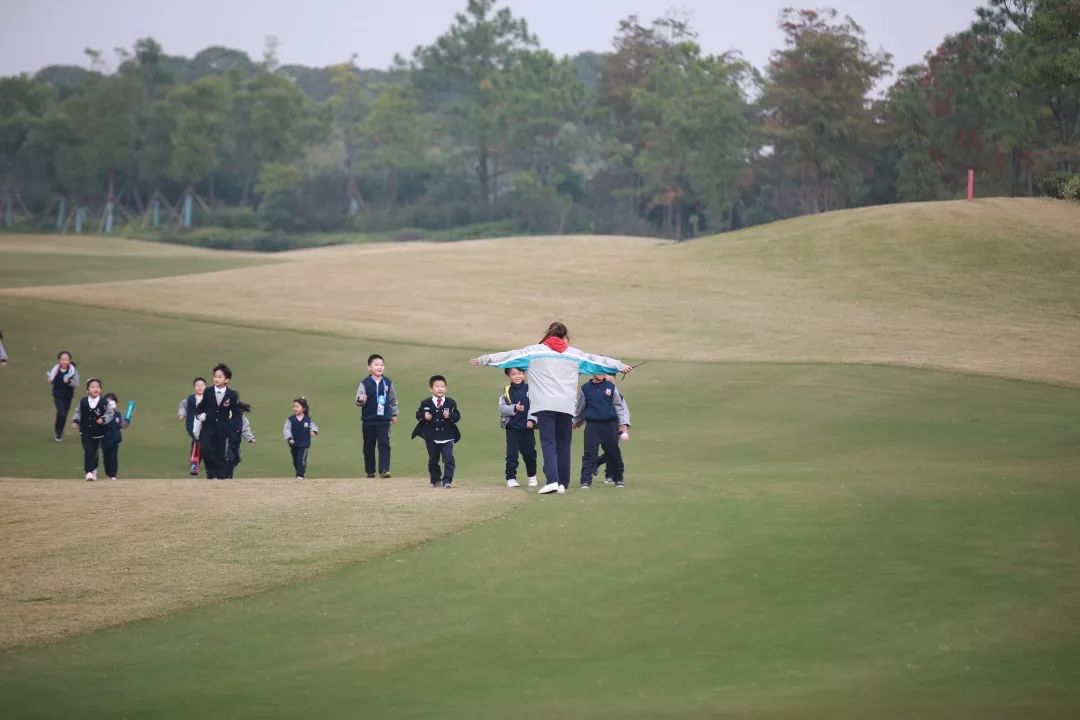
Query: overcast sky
{"points": [[36, 33]]}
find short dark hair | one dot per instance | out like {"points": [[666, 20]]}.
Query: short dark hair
{"points": [[198, 379], [62, 353], [373, 357], [434, 379], [111, 396], [225, 370], [507, 370], [303, 403], [91, 381]]}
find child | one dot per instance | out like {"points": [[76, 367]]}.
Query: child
{"points": [[90, 419], [377, 399], [3, 353], [221, 415], [601, 408], [186, 412], [241, 435], [437, 419], [64, 378], [299, 429], [515, 418], [624, 436], [110, 444]]}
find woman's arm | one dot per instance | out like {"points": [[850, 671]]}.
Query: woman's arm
{"points": [[510, 358]]}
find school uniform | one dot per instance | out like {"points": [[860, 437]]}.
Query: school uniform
{"points": [[601, 408], [440, 433], [63, 392], [217, 436], [520, 438], [376, 412], [242, 433], [298, 432], [110, 444], [92, 415], [186, 410]]}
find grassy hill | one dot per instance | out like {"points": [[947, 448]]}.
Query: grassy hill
{"points": [[799, 537], [987, 287]]}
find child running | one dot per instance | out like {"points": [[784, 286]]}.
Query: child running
{"points": [[377, 399], [437, 419], [600, 408], [110, 444], [221, 415], [624, 436], [90, 419], [64, 378], [519, 423], [186, 412], [299, 429]]}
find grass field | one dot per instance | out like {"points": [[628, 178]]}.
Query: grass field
{"points": [[797, 539]]}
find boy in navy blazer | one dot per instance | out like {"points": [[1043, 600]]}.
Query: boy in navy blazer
{"points": [[437, 419], [221, 415]]}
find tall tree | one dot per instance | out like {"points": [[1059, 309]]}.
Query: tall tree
{"points": [[818, 114], [458, 72], [22, 105], [395, 131]]}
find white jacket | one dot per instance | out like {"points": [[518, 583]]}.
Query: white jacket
{"points": [[553, 376]]}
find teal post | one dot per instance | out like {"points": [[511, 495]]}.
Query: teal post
{"points": [[9, 216], [80, 217], [187, 211], [156, 212], [61, 213], [108, 218], [354, 207]]}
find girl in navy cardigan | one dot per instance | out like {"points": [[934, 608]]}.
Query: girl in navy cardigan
{"points": [[299, 429]]}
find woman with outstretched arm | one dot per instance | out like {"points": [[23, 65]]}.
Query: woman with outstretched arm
{"points": [[553, 366]]}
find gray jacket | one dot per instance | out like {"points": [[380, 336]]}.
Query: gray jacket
{"points": [[553, 376]]}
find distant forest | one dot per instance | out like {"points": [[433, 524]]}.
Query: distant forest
{"points": [[484, 132]]}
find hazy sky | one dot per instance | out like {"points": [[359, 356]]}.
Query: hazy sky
{"points": [[35, 33]]}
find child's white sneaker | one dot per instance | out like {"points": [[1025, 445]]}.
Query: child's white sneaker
{"points": [[561, 490], [89, 477], [299, 477], [112, 477], [512, 483], [532, 481], [550, 488]]}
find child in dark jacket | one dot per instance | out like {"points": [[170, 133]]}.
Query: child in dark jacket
{"points": [[519, 424], [601, 409], [90, 419], [299, 429], [110, 444], [437, 419]]}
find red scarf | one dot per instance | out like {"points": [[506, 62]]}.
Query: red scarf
{"points": [[557, 344]]}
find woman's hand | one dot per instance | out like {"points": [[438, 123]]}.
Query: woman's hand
{"points": [[626, 369]]}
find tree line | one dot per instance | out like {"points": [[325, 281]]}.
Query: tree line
{"points": [[486, 130]]}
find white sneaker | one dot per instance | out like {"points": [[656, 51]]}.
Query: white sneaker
{"points": [[561, 490], [299, 477], [89, 477], [532, 481], [550, 488], [512, 483], [94, 474], [112, 477]]}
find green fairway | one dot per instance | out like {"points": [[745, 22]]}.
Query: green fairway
{"points": [[795, 541]]}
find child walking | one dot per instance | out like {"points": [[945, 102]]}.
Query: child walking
{"points": [[299, 429], [437, 419], [90, 419], [377, 399], [186, 412], [110, 444], [601, 409], [623, 437], [519, 424], [221, 415], [64, 378]]}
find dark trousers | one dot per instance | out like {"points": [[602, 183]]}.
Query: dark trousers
{"points": [[63, 407], [376, 434], [217, 452], [299, 459], [111, 453], [556, 433], [90, 446], [523, 442], [605, 434], [445, 452]]}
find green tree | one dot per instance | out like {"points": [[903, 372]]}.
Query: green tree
{"points": [[199, 110], [458, 72], [815, 99], [349, 107], [22, 105], [396, 132]]}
